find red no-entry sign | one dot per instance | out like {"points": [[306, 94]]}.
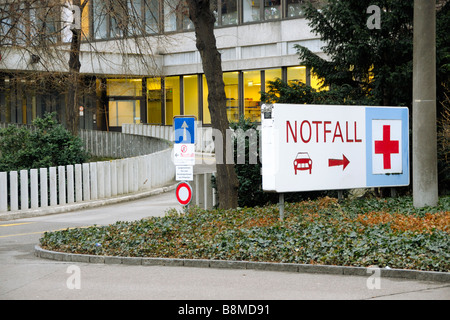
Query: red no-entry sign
{"points": [[183, 193]]}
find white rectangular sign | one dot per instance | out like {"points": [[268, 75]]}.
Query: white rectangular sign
{"points": [[184, 154], [323, 147], [184, 173]]}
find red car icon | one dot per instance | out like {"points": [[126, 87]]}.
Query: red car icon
{"points": [[302, 162]]}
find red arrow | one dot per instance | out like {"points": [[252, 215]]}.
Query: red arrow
{"points": [[337, 162]]}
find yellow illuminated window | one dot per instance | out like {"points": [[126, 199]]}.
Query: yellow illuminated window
{"points": [[124, 111], [154, 100], [85, 20], [271, 75], [252, 96], [296, 74], [190, 89], [317, 82], [231, 80], [172, 98], [124, 87], [206, 114]]}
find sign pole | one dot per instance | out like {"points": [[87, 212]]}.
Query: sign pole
{"points": [[184, 157], [281, 205]]}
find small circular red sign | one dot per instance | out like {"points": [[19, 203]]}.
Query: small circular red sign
{"points": [[183, 193]]}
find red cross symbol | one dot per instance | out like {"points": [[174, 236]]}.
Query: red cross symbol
{"points": [[386, 147]]}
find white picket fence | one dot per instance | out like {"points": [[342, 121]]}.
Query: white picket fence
{"points": [[44, 187], [203, 136], [149, 130]]}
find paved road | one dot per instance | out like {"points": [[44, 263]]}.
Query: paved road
{"points": [[23, 276]]}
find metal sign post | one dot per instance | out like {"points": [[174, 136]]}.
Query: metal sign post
{"points": [[281, 205], [184, 157]]}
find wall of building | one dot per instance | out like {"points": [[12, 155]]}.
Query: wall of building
{"points": [[165, 66]]}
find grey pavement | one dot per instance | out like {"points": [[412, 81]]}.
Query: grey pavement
{"points": [[25, 276]]}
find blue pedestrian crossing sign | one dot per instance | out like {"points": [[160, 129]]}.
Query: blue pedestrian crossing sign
{"points": [[184, 127]]}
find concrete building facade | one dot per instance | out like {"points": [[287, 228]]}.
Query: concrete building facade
{"points": [[139, 62]]}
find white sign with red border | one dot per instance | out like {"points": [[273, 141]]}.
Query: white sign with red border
{"points": [[183, 193], [324, 147]]}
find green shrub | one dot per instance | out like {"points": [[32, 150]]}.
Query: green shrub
{"points": [[324, 231], [49, 145], [297, 92]]}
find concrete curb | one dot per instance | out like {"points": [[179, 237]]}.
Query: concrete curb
{"points": [[249, 265], [12, 215]]}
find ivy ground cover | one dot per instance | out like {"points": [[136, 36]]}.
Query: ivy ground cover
{"points": [[369, 232]]}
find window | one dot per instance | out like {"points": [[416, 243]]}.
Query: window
{"points": [[252, 96], [118, 18], [124, 87], [13, 23], [36, 23], [6, 21], [170, 16], [86, 21], [294, 8], [229, 13], [124, 101], [100, 19], [225, 12], [44, 24], [256, 10], [176, 16], [206, 114], [231, 80], [190, 90], [187, 23], [152, 16], [124, 111], [154, 99], [142, 17], [136, 21], [296, 74], [172, 98], [22, 23], [251, 10], [271, 75], [213, 5], [18, 99], [317, 82], [272, 9]]}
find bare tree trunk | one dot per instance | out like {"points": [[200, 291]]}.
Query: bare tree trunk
{"points": [[72, 115], [203, 19]]}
